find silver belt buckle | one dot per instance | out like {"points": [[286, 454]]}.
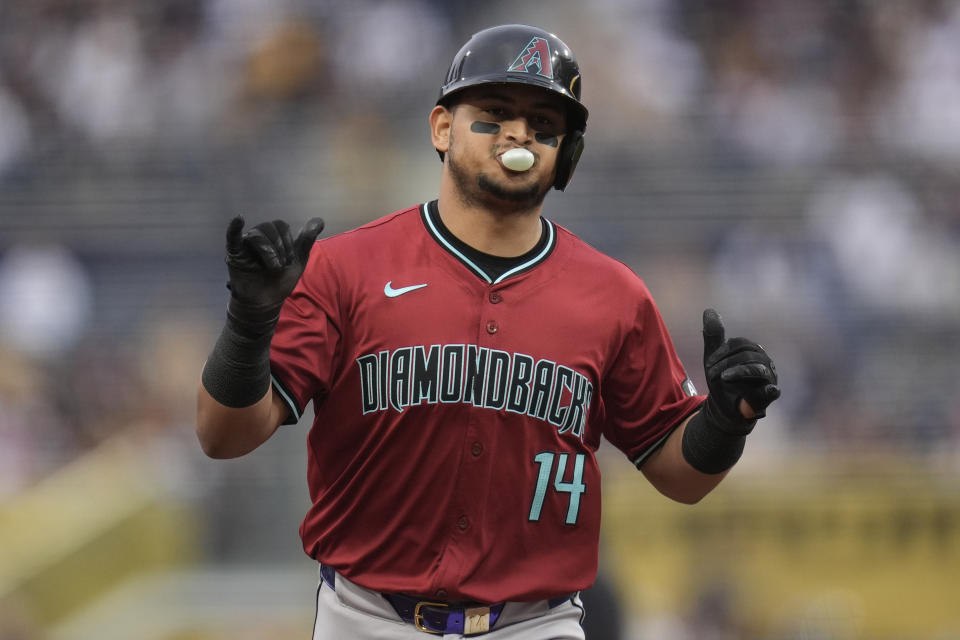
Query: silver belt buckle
{"points": [[476, 620]]}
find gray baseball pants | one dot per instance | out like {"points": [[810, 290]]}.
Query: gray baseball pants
{"points": [[350, 612]]}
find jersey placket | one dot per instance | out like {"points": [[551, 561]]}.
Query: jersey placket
{"points": [[473, 480]]}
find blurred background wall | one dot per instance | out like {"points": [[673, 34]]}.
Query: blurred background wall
{"points": [[794, 164]]}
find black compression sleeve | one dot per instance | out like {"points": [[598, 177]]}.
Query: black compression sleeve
{"points": [[708, 449], [237, 373]]}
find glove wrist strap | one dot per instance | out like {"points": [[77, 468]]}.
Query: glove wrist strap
{"points": [[720, 420], [252, 322]]}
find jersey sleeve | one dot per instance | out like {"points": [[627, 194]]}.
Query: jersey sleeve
{"points": [[307, 338], [647, 393]]}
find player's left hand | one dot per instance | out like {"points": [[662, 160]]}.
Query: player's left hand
{"points": [[737, 370]]}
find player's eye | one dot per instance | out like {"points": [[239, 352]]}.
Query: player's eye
{"points": [[545, 123], [496, 112]]}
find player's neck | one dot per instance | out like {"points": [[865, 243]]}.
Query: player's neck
{"points": [[491, 232]]}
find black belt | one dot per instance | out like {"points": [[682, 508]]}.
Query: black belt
{"points": [[442, 617]]}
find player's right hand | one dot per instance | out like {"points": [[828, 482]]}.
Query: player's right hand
{"points": [[264, 265], [737, 370]]}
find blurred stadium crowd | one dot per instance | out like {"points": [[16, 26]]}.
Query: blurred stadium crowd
{"points": [[794, 164]]}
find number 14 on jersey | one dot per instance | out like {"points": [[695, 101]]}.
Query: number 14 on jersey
{"points": [[574, 487]]}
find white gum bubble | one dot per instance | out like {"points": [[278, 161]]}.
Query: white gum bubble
{"points": [[517, 159]]}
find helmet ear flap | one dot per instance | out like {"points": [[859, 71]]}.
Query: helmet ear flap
{"points": [[569, 154]]}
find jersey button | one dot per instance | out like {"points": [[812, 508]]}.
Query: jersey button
{"points": [[495, 297], [492, 327], [442, 594], [476, 449], [463, 522]]}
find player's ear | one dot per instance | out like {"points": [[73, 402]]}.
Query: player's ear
{"points": [[441, 119]]}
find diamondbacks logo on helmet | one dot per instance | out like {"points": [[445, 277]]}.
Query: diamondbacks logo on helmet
{"points": [[535, 54]]}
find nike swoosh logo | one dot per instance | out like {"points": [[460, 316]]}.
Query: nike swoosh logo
{"points": [[393, 293]]}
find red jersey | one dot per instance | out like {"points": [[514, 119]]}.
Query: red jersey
{"points": [[452, 452]]}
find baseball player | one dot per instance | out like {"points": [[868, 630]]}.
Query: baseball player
{"points": [[464, 358]]}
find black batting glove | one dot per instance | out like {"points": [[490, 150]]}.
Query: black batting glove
{"points": [[264, 265], [735, 369]]}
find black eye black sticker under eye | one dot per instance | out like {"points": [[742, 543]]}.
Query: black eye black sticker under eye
{"points": [[485, 127], [547, 139]]}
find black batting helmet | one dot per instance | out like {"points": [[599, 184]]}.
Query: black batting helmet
{"points": [[522, 54]]}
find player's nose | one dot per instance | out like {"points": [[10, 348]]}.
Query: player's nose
{"points": [[518, 130]]}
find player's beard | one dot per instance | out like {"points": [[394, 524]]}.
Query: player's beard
{"points": [[486, 192]]}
